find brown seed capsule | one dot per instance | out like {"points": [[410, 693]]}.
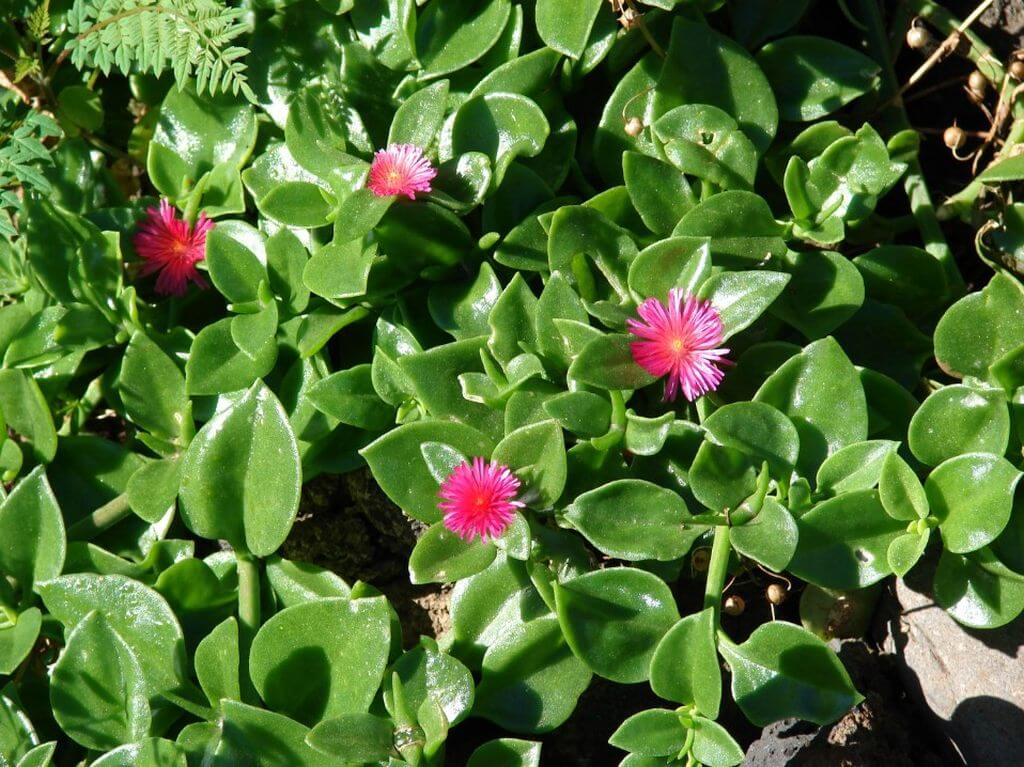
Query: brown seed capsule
{"points": [[634, 126], [700, 560], [918, 38], [734, 605], [977, 83], [954, 137], [776, 594], [1017, 70]]}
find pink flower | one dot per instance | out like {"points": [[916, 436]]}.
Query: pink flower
{"points": [[400, 169], [171, 246], [478, 500], [679, 341]]}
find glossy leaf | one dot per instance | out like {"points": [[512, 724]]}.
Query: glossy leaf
{"points": [[685, 669], [972, 497], [241, 475]]}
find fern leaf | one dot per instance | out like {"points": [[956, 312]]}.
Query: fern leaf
{"points": [[191, 37]]}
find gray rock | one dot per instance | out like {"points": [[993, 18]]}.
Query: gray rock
{"points": [[972, 682]]}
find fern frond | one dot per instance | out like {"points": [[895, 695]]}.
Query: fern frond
{"points": [[191, 37], [22, 153]]}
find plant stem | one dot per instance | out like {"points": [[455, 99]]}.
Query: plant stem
{"points": [[104, 517], [248, 615], [718, 568], [947, 23], [921, 205]]}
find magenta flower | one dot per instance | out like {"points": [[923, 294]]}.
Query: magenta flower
{"points": [[172, 247], [400, 169], [478, 500], [679, 341]]}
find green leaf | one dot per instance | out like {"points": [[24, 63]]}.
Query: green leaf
{"points": [[754, 21], [464, 30], [634, 520], [241, 475], [400, 469], [97, 690], [740, 225], [506, 752], [536, 454], [530, 679], [705, 142], [824, 291], [843, 542], [441, 556], [900, 490], [502, 126], [685, 669], [907, 277], [905, 551], [713, 745], [151, 752], [660, 194], [318, 660], [427, 673], [741, 297], [40, 756], [565, 25], [81, 107], [248, 734], [959, 419], [193, 134], [815, 76], [972, 497], [675, 262], [237, 260], [17, 641], [26, 411], [607, 362], [153, 389], [136, 612], [613, 620], [298, 582], [354, 737], [854, 467], [32, 539], [316, 136], [821, 393], [153, 488], [769, 538], [216, 365], [349, 396], [217, 662], [705, 67], [655, 732], [978, 590], [1011, 169], [462, 308], [784, 671], [981, 328]]}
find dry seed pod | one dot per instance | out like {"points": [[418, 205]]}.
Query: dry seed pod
{"points": [[776, 594], [634, 126], [918, 38], [954, 137], [734, 605], [1017, 69], [700, 560], [977, 83]]}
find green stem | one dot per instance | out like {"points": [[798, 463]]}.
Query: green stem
{"points": [[248, 614], [921, 205], [104, 517], [718, 568]]}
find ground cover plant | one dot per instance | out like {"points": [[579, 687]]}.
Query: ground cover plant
{"points": [[619, 302]]}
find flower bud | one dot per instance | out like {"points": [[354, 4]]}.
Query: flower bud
{"points": [[734, 605], [954, 137], [918, 38], [634, 126], [776, 594], [977, 83]]}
